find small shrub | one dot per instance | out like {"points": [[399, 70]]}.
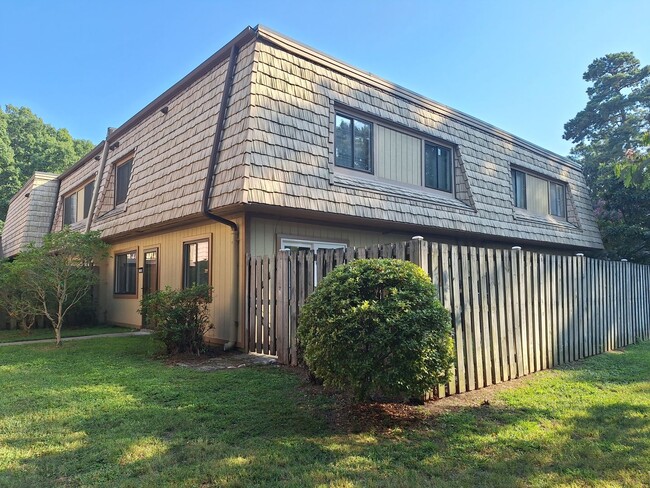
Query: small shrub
{"points": [[375, 326], [180, 318]]}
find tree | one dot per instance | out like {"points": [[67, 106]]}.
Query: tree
{"points": [[60, 272], [20, 302], [611, 126], [377, 326], [27, 144], [634, 170], [9, 175]]}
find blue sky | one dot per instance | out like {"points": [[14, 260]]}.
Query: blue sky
{"points": [[515, 64]]}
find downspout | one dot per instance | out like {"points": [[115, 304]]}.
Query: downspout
{"points": [[98, 178], [212, 167]]}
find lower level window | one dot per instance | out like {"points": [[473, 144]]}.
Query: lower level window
{"points": [[306, 245], [196, 263], [126, 273]]}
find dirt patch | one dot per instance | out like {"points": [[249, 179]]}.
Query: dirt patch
{"points": [[350, 417], [215, 360]]}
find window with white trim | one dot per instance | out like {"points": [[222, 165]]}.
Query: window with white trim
{"points": [[308, 245], [287, 244]]}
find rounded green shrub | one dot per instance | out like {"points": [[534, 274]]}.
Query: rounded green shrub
{"points": [[376, 326]]}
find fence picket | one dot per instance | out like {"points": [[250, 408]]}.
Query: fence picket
{"points": [[475, 307], [503, 316], [467, 319], [494, 324], [513, 312], [461, 378]]}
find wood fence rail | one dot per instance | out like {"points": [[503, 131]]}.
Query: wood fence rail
{"points": [[513, 312]]}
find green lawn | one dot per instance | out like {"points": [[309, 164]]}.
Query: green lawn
{"points": [[47, 333], [104, 413]]}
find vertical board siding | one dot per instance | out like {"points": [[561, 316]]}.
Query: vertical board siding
{"points": [[512, 312], [399, 156]]}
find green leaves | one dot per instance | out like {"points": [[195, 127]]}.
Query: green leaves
{"points": [[376, 326], [58, 274], [180, 318], [611, 134], [27, 144]]}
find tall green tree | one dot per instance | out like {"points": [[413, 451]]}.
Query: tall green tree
{"points": [[611, 126], [9, 175], [28, 144]]}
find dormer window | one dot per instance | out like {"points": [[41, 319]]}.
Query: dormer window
{"points": [[437, 167], [76, 205], [353, 143], [537, 195], [122, 177]]}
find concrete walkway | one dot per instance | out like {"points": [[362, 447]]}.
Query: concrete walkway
{"points": [[79, 338]]}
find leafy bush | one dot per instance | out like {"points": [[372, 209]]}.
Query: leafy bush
{"points": [[179, 318], [375, 326]]}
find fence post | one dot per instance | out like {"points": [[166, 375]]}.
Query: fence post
{"points": [[282, 306], [419, 254]]}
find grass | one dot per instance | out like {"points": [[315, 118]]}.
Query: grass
{"points": [[96, 413], [47, 333]]}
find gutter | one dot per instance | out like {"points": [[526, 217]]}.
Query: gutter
{"points": [[212, 168]]}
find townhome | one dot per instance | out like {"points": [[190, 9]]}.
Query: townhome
{"points": [[272, 145]]}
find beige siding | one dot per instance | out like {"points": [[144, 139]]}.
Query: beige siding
{"points": [[265, 235], [536, 195], [122, 310], [399, 156], [295, 94]]}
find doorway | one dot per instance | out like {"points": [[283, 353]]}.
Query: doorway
{"points": [[150, 277]]}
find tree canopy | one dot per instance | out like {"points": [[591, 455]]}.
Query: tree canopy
{"points": [[57, 275], [611, 140], [28, 144]]}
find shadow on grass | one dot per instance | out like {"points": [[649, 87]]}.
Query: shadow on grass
{"points": [[110, 415]]}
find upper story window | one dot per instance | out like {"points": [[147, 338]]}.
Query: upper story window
{"points": [[557, 199], [392, 153], [76, 205], [437, 167], [538, 195], [353, 143], [122, 177]]}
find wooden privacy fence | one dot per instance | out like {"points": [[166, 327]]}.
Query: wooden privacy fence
{"points": [[513, 312]]}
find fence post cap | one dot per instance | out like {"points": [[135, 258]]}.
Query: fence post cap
{"points": [[624, 260], [580, 254], [417, 238], [516, 248]]}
